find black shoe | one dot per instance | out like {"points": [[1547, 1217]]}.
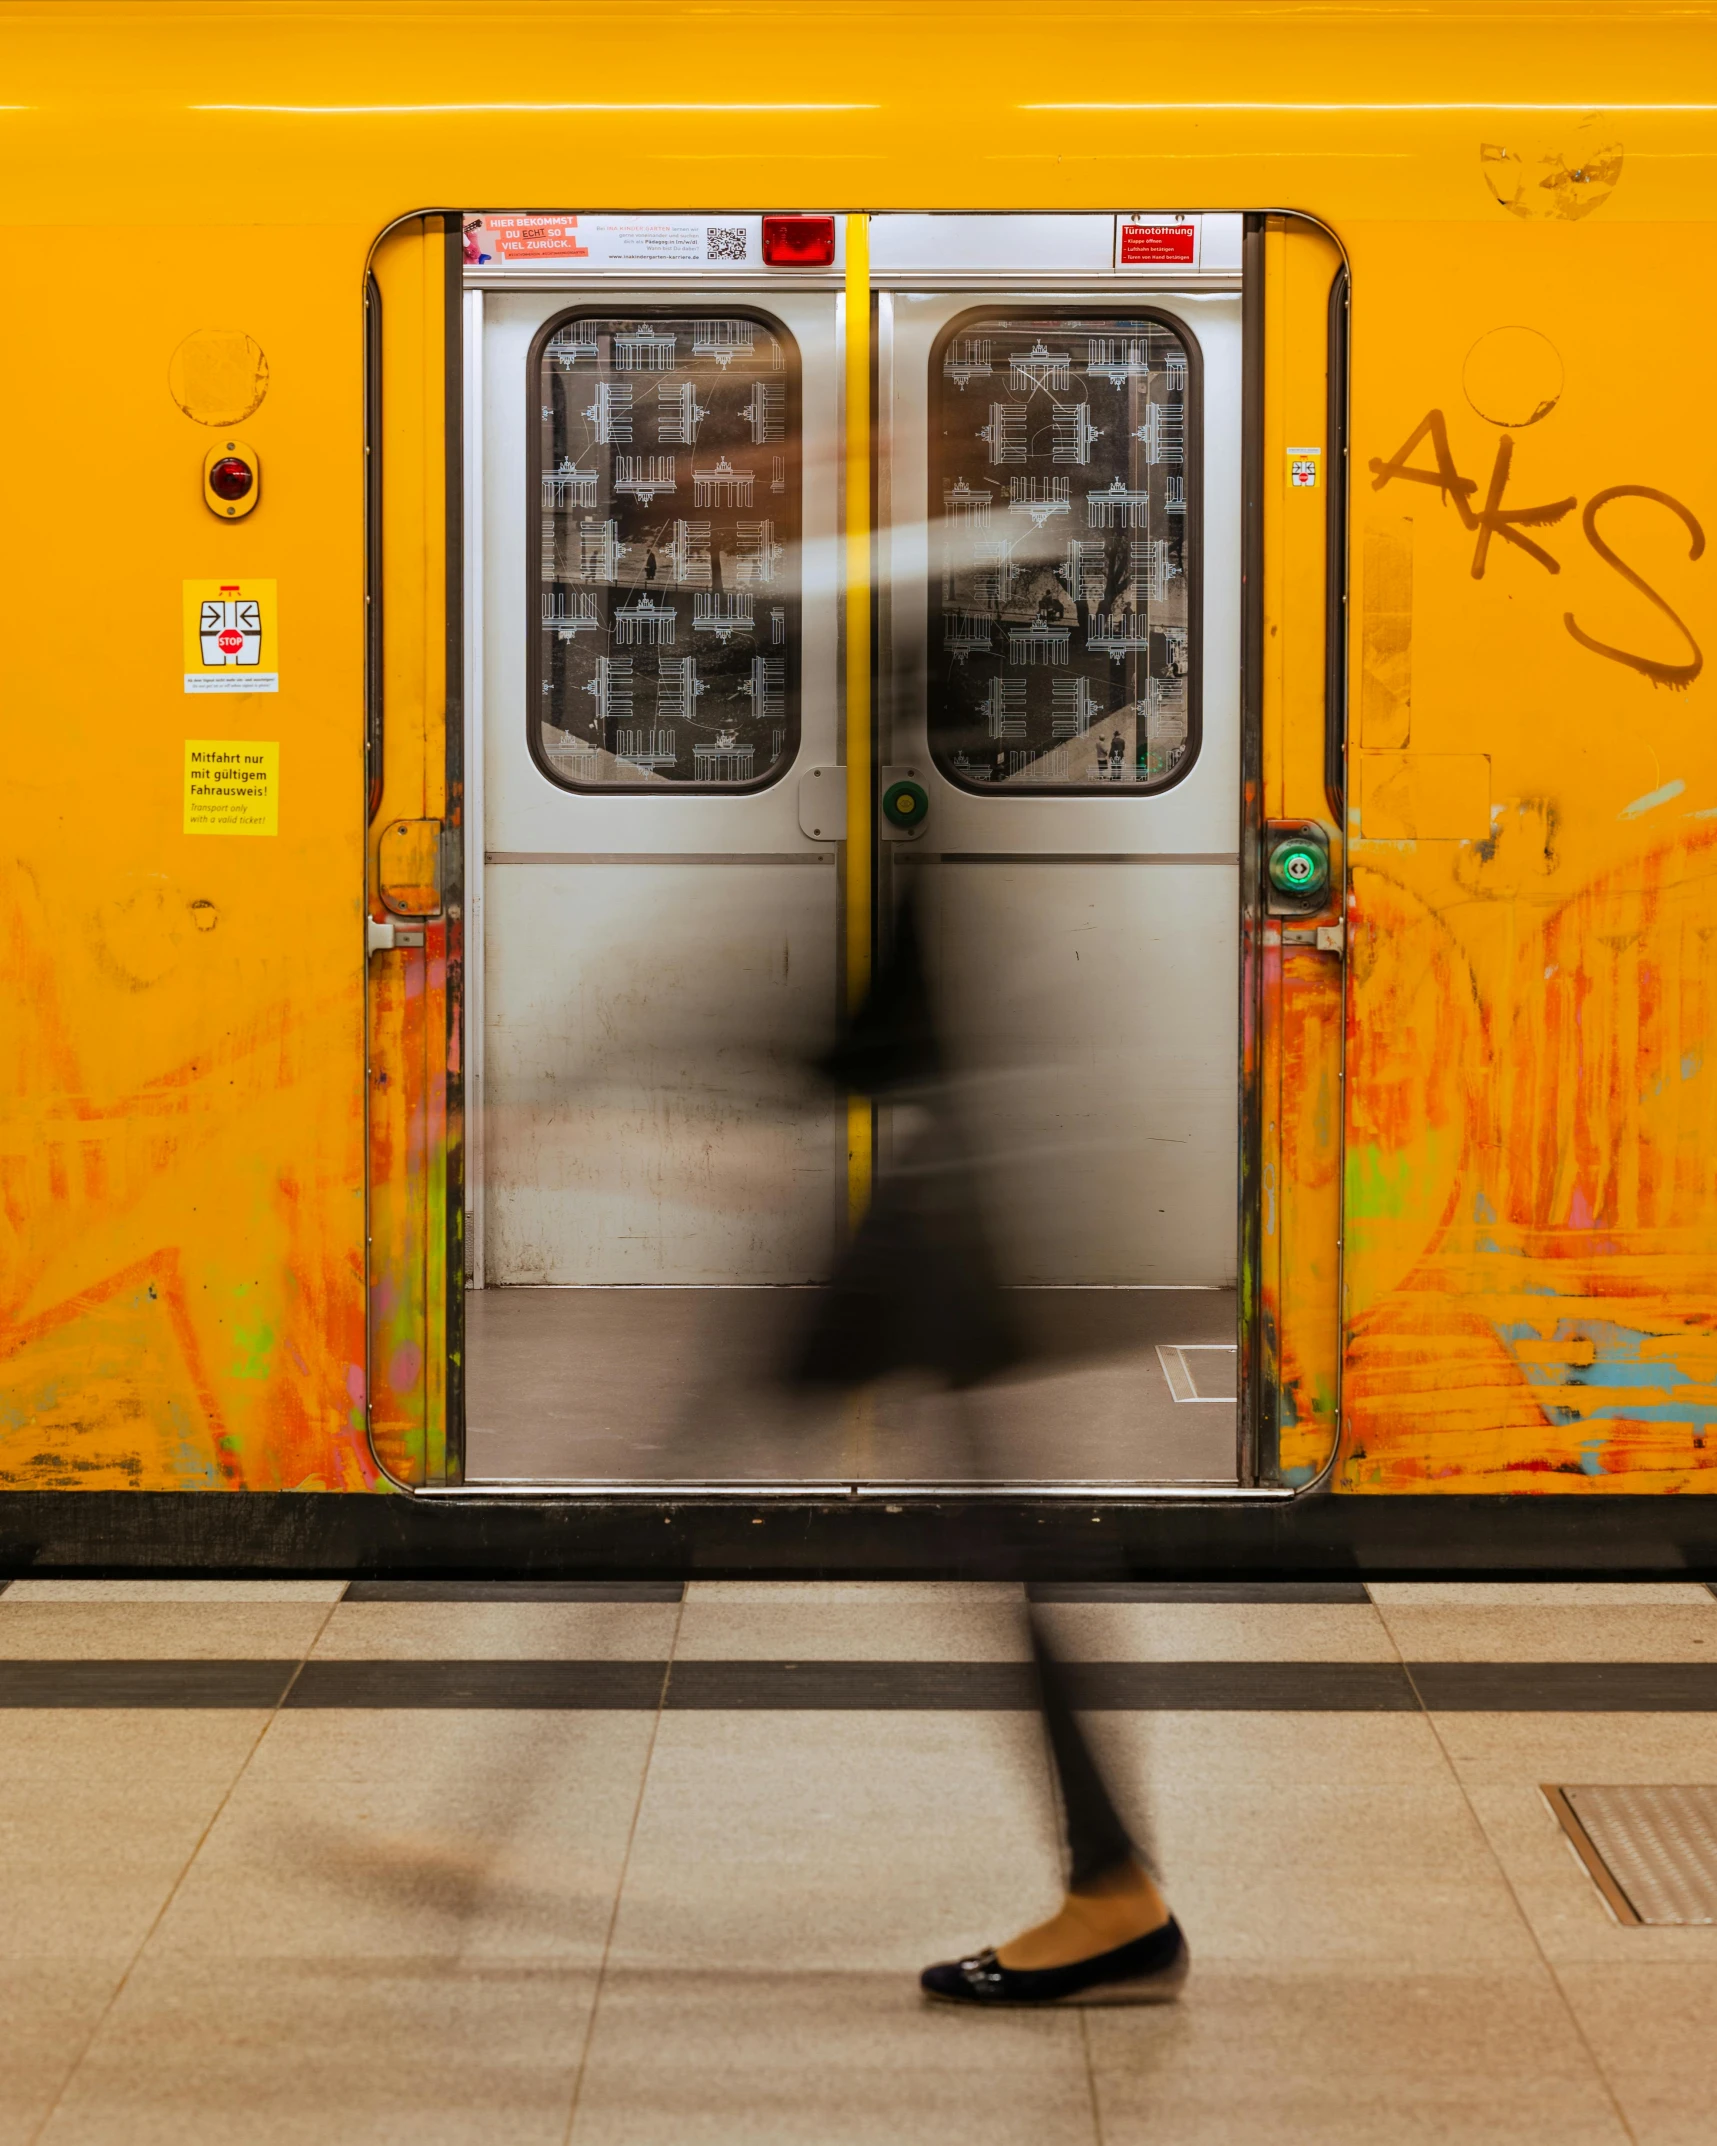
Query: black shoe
{"points": [[1146, 1970]]}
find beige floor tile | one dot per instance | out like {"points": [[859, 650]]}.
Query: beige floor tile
{"points": [[386, 2052], [48, 2010], [1271, 1841], [1540, 1594], [441, 1833], [1649, 2027], [302, 1591], [836, 1842], [139, 1761], [1220, 1632], [854, 2059], [1197, 1749], [852, 1621], [1287, 2054], [1508, 1749], [1557, 1895], [1586, 1632], [159, 1631], [499, 1631], [100, 1813]]}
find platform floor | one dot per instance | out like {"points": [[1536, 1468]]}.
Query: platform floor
{"points": [[684, 1385], [287, 1862]]}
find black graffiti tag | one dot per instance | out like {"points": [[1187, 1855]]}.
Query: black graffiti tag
{"points": [[1490, 520], [1494, 520]]}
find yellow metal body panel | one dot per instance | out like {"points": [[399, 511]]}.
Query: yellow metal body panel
{"points": [[1531, 1069], [1299, 1042]]}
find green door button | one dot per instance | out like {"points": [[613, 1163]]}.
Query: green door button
{"points": [[904, 804], [1299, 868]]}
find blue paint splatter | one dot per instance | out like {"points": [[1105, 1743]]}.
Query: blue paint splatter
{"points": [[1652, 799], [1617, 1367]]}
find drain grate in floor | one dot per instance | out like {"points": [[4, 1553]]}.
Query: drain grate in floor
{"points": [[1652, 1852], [1199, 1370]]}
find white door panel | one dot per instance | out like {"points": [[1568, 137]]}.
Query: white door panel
{"points": [[651, 1118], [1087, 945], [659, 968], [1094, 1009]]}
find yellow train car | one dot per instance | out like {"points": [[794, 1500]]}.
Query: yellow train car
{"points": [[569, 524]]}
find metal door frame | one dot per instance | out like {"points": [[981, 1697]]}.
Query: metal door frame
{"points": [[1254, 1407]]}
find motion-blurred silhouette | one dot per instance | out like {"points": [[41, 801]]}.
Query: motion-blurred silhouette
{"points": [[917, 1289]]}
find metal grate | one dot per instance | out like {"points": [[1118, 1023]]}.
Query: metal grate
{"points": [[1651, 1851], [1199, 1370]]}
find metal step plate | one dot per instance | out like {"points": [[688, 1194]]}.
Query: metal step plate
{"points": [[1652, 1851]]}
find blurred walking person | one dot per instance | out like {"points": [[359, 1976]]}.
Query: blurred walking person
{"points": [[917, 1290]]}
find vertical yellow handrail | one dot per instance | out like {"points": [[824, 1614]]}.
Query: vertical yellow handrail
{"points": [[858, 687]]}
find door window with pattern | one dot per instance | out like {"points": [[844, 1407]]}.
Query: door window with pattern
{"points": [[1063, 650], [665, 501]]}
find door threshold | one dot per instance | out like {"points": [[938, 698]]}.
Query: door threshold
{"points": [[564, 1490]]}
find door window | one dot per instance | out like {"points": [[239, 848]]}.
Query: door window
{"points": [[666, 495], [1063, 610]]}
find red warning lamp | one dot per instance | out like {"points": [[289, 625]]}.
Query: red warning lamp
{"points": [[230, 478], [799, 241]]}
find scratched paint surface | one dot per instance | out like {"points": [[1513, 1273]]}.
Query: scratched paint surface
{"points": [[1530, 1214], [1531, 1169]]}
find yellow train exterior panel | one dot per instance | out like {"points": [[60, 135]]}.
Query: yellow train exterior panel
{"points": [[1521, 1116]]}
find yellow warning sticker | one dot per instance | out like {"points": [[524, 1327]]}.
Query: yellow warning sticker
{"points": [[231, 637], [232, 786]]}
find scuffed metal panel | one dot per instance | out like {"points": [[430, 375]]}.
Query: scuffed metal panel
{"points": [[1295, 1058], [177, 1309]]}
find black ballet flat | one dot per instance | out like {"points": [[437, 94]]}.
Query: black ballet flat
{"points": [[1146, 1970]]}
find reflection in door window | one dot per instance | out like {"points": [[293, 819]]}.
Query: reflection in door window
{"points": [[666, 495], [1063, 613]]}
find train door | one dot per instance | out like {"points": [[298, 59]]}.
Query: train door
{"points": [[656, 509], [1061, 462], [658, 889]]}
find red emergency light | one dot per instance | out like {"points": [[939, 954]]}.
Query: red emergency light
{"points": [[798, 241]]}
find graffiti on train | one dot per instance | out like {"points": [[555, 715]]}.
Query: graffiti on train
{"points": [[1494, 521]]}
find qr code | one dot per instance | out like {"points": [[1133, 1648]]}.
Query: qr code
{"points": [[726, 242]]}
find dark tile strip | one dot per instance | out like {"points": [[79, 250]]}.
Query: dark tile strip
{"points": [[553, 1686], [515, 1591], [882, 1687], [143, 1684], [1199, 1591], [1566, 1687], [1104, 1687]]}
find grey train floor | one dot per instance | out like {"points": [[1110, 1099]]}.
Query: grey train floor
{"points": [[682, 1385], [419, 1909]]}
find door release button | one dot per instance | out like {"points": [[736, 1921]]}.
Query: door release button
{"points": [[904, 805]]}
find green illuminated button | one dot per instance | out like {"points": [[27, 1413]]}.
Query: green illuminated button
{"points": [[1299, 868], [904, 804]]}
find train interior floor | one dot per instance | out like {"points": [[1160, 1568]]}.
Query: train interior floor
{"points": [[637, 1866], [687, 1385]]}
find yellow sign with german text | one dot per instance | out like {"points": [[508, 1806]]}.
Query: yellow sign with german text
{"points": [[232, 786], [232, 632]]}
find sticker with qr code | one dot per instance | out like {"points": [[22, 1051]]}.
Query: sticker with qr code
{"points": [[726, 242]]}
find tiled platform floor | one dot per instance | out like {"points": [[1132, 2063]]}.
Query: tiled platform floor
{"points": [[606, 1907]]}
